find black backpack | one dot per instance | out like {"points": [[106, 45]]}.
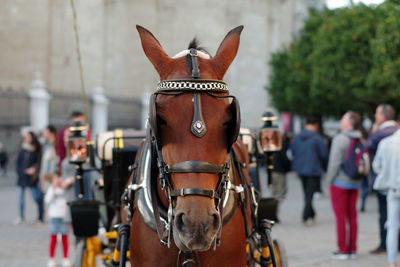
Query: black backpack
{"points": [[356, 163]]}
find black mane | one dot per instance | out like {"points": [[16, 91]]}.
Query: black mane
{"points": [[195, 45]]}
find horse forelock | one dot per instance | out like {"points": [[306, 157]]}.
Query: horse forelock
{"points": [[185, 52], [201, 51]]}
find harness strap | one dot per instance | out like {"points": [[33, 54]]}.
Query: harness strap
{"points": [[242, 197], [195, 166], [188, 260], [195, 67], [198, 125], [162, 234], [193, 191]]}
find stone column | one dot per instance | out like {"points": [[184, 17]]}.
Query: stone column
{"points": [[99, 112], [39, 104]]}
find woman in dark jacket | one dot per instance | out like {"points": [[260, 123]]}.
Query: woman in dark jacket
{"points": [[28, 166]]}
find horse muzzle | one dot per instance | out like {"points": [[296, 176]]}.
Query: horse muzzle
{"points": [[193, 232]]}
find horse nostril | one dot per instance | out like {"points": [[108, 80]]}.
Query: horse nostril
{"points": [[180, 224], [216, 220]]}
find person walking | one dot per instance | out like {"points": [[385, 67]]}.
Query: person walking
{"points": [[343, 188], [28, 165], [384, 126], [281, 168], [48, 167], [57, 211], [3, 160], [309, 154], [386, 165]]}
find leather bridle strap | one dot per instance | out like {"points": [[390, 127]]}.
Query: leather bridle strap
{"points": [[193, 191], [162, 233], [195, 68], [195, 166]]}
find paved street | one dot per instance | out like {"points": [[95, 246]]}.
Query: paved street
{"points": [[26, 245]]}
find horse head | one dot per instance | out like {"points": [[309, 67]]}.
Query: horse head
{"points": [[194, 131]]}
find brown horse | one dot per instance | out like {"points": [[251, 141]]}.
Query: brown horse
{"points": [[194, 142]]}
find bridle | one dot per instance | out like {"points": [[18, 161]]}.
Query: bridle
{"points": [[198, 128]]}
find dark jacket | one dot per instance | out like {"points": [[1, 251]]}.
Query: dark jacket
{"points": [[386, 129], [281, 162], [374, 139], [27, 159], [309, 153]]}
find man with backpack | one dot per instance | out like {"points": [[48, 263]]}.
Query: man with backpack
{"points": [[384, 126], [346, 170]]}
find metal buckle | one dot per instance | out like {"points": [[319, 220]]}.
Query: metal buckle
{"points": [[193, 52], [165, 168], [169, 223], [255, 203], [162, 183]]}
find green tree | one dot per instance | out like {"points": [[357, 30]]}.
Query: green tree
{"points": [[343, 59], [291, 71], [384, 78]]}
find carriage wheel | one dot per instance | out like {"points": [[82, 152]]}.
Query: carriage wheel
{"points": [[280, 253]]}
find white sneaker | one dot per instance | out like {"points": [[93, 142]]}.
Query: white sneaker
{"points": [[340, 256], [18, 221], [317, 195], [51, 263], [352, 256], [66, 263]]}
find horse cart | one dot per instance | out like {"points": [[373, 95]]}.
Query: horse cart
{"points": [[178, 194]]}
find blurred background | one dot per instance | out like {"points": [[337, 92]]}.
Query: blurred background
{"points": [[39, 61]]}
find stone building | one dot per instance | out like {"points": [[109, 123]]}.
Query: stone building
{"points": [[37, 43]]}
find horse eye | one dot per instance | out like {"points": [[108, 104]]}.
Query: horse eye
{"points": [[226, 124], [161, 121]]}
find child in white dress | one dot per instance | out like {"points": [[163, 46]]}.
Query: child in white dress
{"points": [[57, 211]]}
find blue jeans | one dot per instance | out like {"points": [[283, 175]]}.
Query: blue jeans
{"points": [[37, 196], [393, 224]]}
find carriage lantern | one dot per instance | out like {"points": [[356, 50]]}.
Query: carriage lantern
{"points": [[77, 150], [270, 141], [270, 136]]}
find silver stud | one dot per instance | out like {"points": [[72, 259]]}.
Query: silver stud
{"points": [[198, 126]]}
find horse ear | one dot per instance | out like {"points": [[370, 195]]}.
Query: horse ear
{"points": [[153, 50], [227, 51]]}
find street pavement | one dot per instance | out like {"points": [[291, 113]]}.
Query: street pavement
{"points": [[27, 244]]}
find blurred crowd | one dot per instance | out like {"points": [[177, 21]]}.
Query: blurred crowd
{"points": [[354, 163], [43, 169], [353, 160]]}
